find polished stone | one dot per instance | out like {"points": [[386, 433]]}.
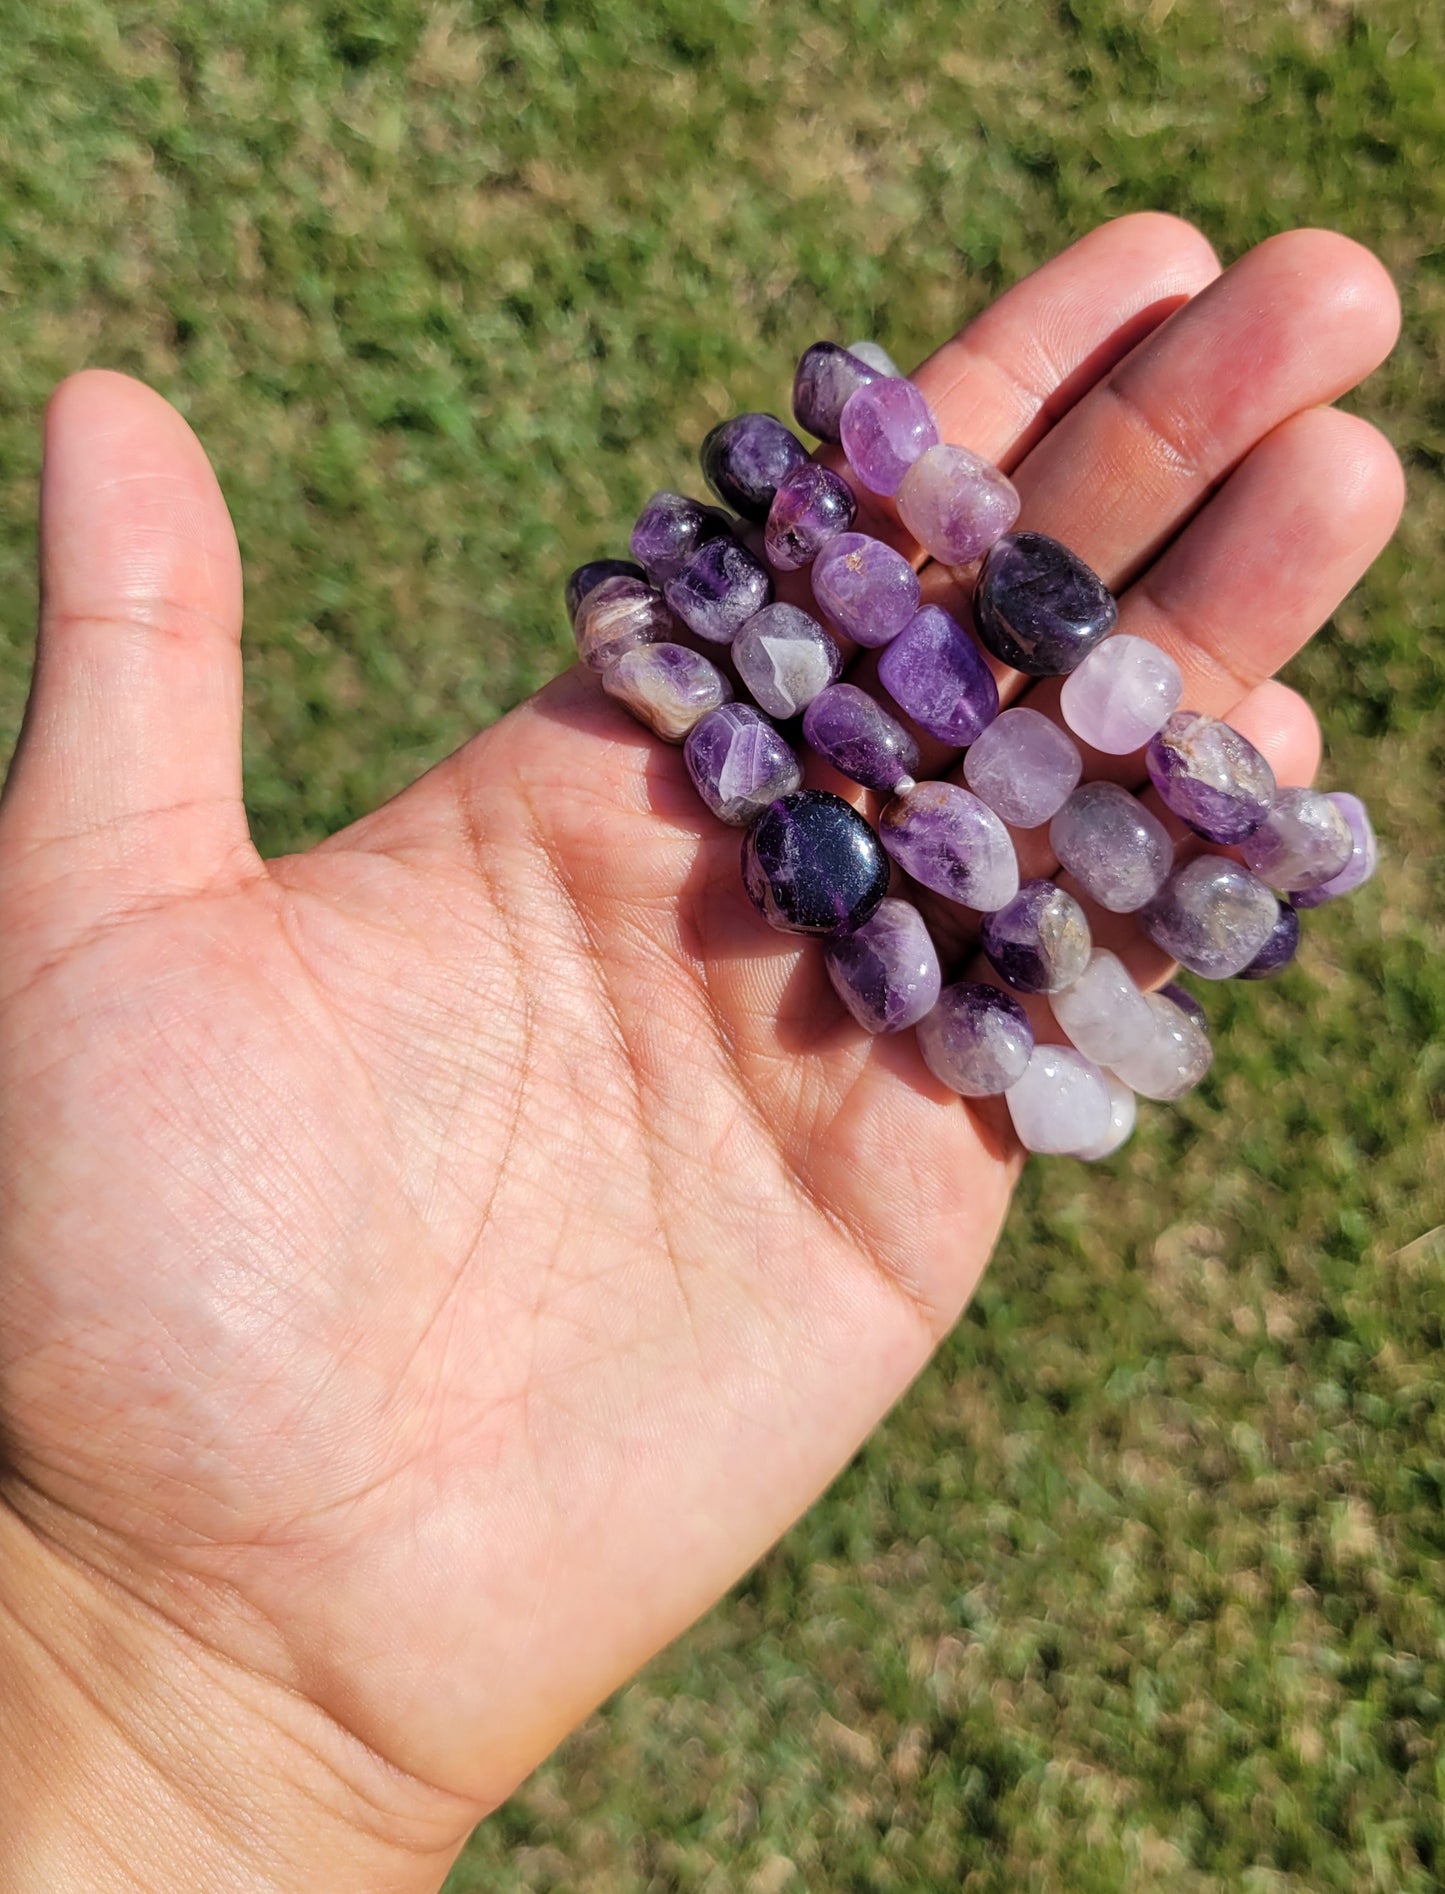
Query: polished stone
{"points": [[1103, 1012], [1123, 1111], [719, 590], [586, 578], [952, 843], [1172, 1060], [1061, 1105], [745, 461], [1302, 843], [739, 763], [826, 376], [886, 971], [669, 530], [812, 865], [1181, 997], [1039, 942], [850, 730], [785, 658], [1122, 693], [1279, 950], [1210, 776], [956, 504], [618, 615], [936, 674], [1364, 855], [667, 687], [876, 357], [977, 1040], [884, 428], [1024, 766], [812, 506], [865, 588], [1113, 845], [1038, 607], [1212, 916]]}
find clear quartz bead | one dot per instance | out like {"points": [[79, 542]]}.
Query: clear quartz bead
{"points": [[1104, 1014], [1116, 848]]}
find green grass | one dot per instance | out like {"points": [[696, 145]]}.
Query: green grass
{"points": [[1143, 1586]]}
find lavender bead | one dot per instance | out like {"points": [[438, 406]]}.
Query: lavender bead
{"points": [[1181, 997], [876, 357], [1038, 607], [936, 674], [826, 376], [1210, 776], [812, 865], [1278, 951], [951, 842], [1122, 693], [745, 461], [667, 687], [812, 506], [886, 971], [785, 658], [669, 530], [719, 590], [1212, 916], [865, 588], [857, 736], [1024, 767], [739, 763], [977, 1040], [1123, 1111], [1113, 845], [1061, 1105], [587, 578], [1364, 855], [1173, 1059], [1039, 942], [884, 427], [1302, 843], [1103, 1012], [956, 504], [616, 616]]}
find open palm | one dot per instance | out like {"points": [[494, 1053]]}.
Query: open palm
{"points": [[435, 1265]]}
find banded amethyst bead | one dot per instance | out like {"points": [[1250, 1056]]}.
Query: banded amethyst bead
{"points": [[951, 842], [1061, 1105], [1303, 842], [667, 687], [1210, 776], [812, 506], [586, 578], [1113, 845], [739, 763], [977, 1040], [857, 736], [886, 971], [1123, 1112], [669, 530], [1122, 693], [617, 616], [1024, 767], [865, 588], [936, 674], [1364, 855], [884, 427], [719, 590], [1038, 607], [812, 865], [1103, 1012], [745, 461], [1212, 916], [956, 504], [785, 658], [1040, 941], [826, 376], [1172, 1060], [1279, 950], [1181, 997]]}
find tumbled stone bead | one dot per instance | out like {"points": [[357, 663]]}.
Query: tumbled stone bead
{"points": [[618, 615], [865, 588], [1172, 1060], [935, 672], [669, 530], [719, 590], [1039, 942], [812, 506], [1212, 916], [586, 578], [1210, 776], [1111, 843], [1061, 1104], [1024, 766], [1301, 843], [826, 376], [785, 658], [886, 971], [1278, 951], [667, 687], [812, 865], [1103, 1012], [875, 356], [739, 763], [1123, 1112], [884, 427], [1122, 693], [1364, 855], [977, 1039], [745, 461], [956, 504], [848, 729], [1181, 997], [951, 842], [1038, 607]]}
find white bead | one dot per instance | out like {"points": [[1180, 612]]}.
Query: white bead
{"points": [[1174, 1058], [1123, 1110], [1105, 1015], [1061, 1104]]}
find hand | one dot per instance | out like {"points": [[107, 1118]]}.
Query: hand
{"points": [[436, 1265]]}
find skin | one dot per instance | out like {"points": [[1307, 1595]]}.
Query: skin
{"points": [[435, 1266]]}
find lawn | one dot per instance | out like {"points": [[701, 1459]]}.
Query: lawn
{"points": [[1143, 1585]]}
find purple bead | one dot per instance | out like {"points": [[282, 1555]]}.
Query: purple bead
{"points": [[884, 427], [1302, 843], [977, 1040], [1210, 776], [858, 737], [719, 590], [586, 578], [936, 674], [951, 842], [827, 375], [865, 588], [1364, 855], [956, 504], [1212, 916], [1278, 951], [747, 459], [1113, 845], [812, 865], [1181, 997], [669, 530], [1039, 942], [812, 506], [1122, 694], [667, 687], [739, 763], [1024, 767], [617, 616], [1038, 607], [785, 658], [886, 971]]}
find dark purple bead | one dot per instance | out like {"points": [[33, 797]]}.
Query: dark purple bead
{"points": [[827, 375], [886, 971], [1278, 951], [745, 461], [719, 590], [1181, 997], [586, 578], [935, 672], [1210, 776], [812, 865], [669, 530], [1038, 607], [859, 738], [812, 506]]}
